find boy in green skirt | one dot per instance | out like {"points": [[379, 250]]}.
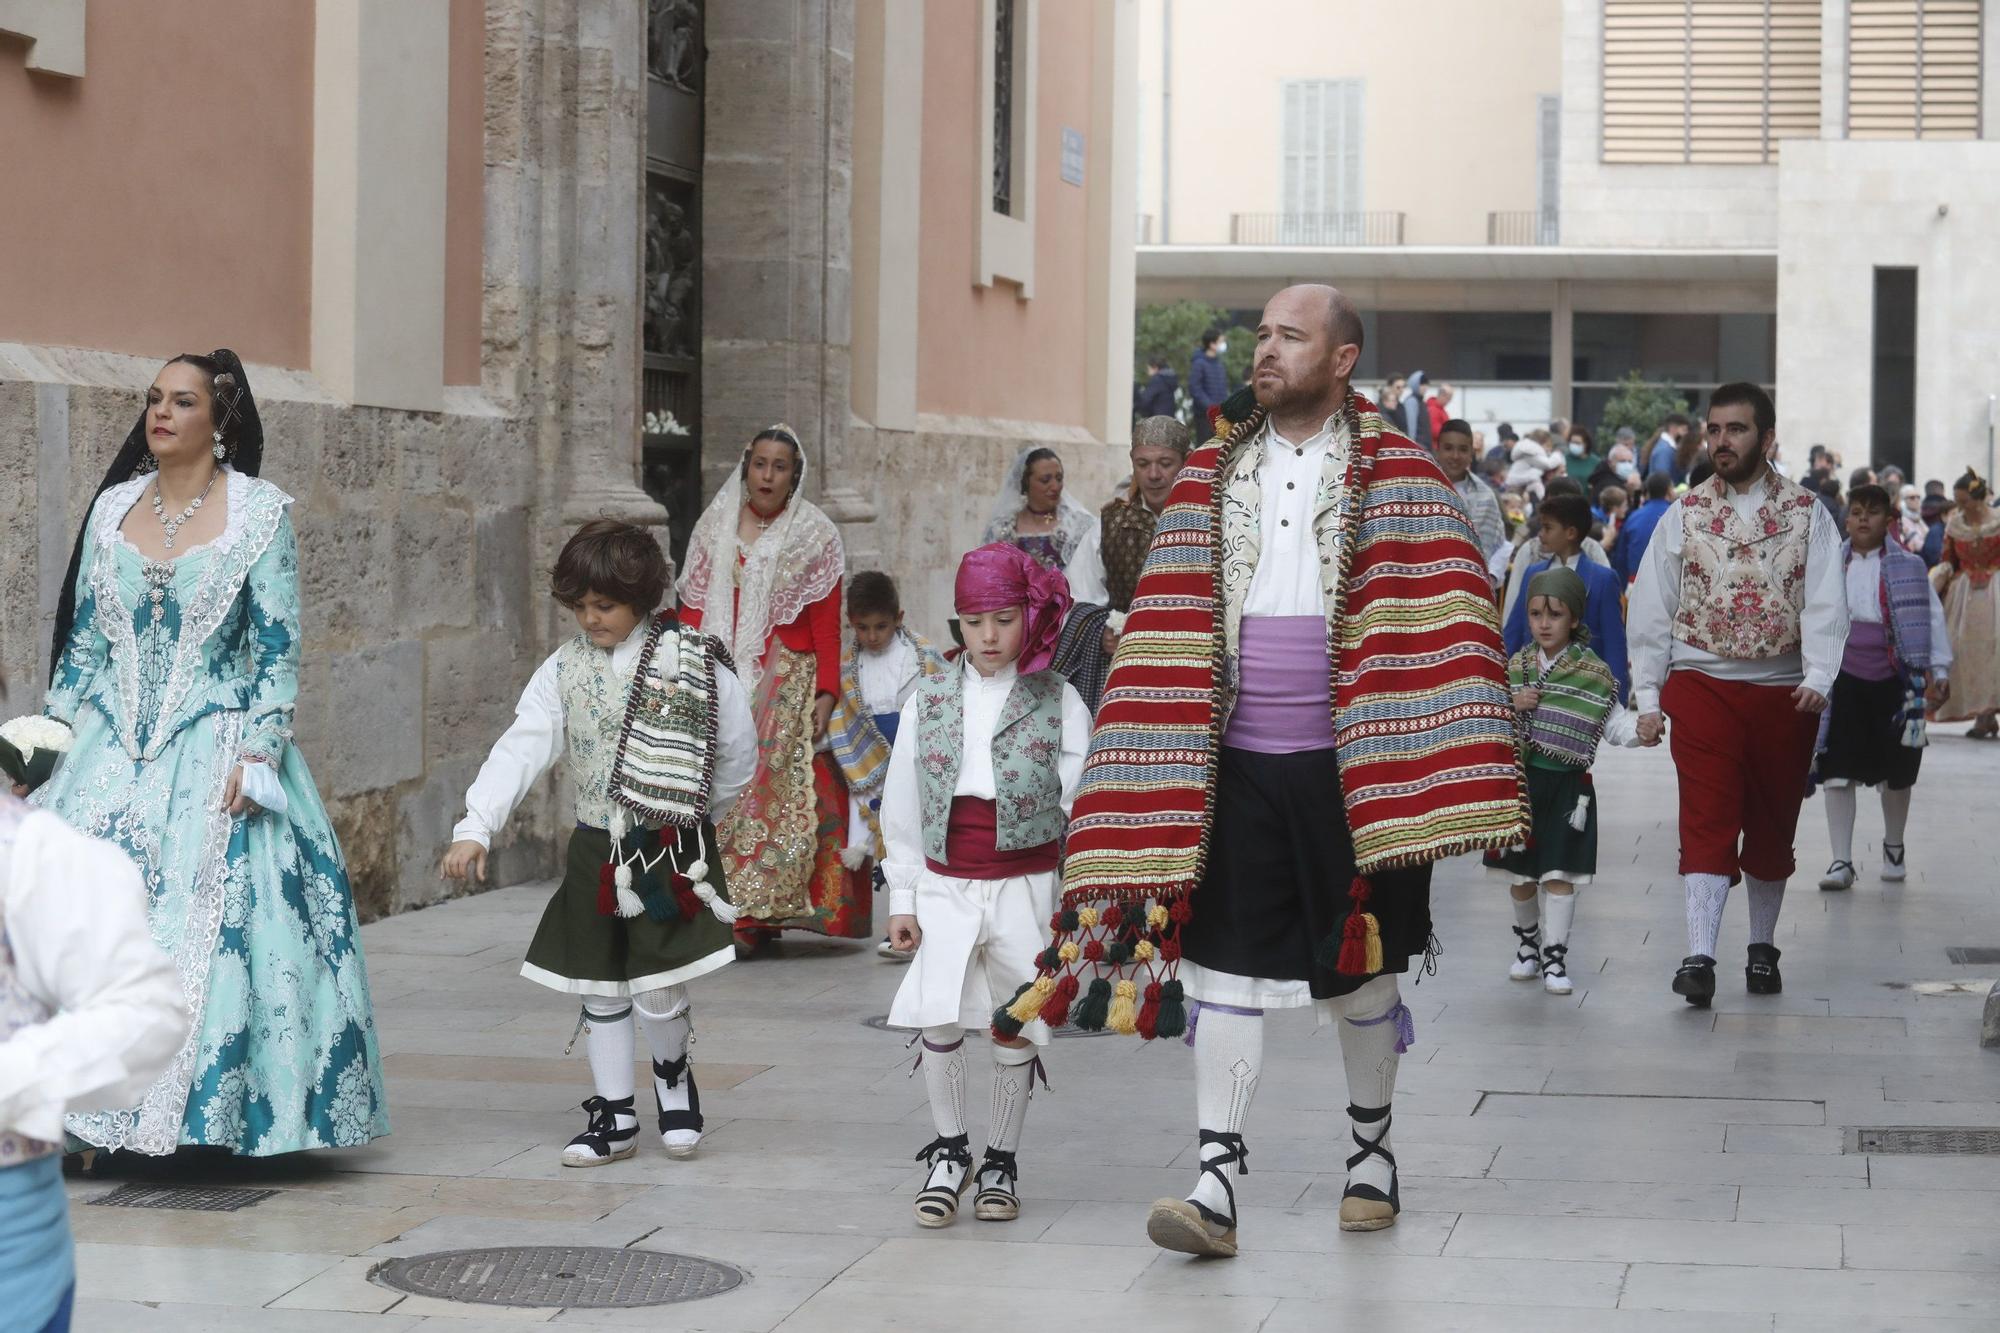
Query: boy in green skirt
{"points": [[658, 739]]}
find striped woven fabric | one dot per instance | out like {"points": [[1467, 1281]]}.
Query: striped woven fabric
{"points": [[1578, 691], [666, 748], [1421, 718], [857, 744]]}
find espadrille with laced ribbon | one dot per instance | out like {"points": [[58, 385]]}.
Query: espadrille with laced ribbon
{"points": [[951, 1172], [605, 1140], [1189, 1226]]}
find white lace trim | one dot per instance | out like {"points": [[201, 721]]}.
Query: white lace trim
{"points": [[788, 568], [255, 509], [154, 1126]]}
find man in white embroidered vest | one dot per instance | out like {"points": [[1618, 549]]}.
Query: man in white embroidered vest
{"points": [[1736, 628]]}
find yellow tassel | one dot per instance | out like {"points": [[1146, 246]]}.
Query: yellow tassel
{"points": [[1029, 1006], [1086, 917], [1124, 1008], [1156, 916], [1143, 951], [1374, 929], [1068, 952]]}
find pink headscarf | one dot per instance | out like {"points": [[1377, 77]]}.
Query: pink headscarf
{"points": [[999, 575]]}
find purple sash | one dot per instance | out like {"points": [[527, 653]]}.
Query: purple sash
{"points": [[1284, 700]]}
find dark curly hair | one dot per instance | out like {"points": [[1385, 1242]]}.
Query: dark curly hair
{"points": [[873, 593], [612, 559]]}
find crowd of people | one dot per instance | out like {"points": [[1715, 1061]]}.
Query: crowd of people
{"points": [[1105, 803]]}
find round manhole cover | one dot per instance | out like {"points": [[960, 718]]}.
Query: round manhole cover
{"points": [[880, 1022], [584, 1277]]}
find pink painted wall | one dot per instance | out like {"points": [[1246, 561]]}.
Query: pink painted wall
{"points": [[465, 192], [163, 202], [982, 351]]}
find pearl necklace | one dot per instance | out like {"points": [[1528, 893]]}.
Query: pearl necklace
{"points": [[173, 525]]}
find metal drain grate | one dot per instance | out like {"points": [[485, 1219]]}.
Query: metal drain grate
{"points": [[1941, 1140], [1973, 953], [880, 1022], [136, 1195], [576, 1276]]}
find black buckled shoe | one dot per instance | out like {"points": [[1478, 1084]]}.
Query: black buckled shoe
{"points": [[1761, 975], [1189, 1226], [1696, 980]]}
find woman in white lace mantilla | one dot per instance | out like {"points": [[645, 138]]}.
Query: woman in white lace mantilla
{"points": [[176, 665], [1035, 512], [764, 568]]}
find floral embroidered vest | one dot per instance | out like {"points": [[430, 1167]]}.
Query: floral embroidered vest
{"points": [[595, 696], [1027, 741], [1743, 584], [18, 1009]]}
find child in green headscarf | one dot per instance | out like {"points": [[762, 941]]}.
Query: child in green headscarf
{"points": [[1567, 702]]}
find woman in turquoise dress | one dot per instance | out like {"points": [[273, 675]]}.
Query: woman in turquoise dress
{"points": [[176, 666]]}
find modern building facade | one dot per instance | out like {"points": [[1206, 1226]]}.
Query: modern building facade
{"points": [[498, 267], [1787, 191]]}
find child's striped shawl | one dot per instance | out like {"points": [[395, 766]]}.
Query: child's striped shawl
{"points": [[1421, 717]]}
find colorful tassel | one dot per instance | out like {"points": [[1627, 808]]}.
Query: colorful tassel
{"points": [[1056, 1012], [1028, 1004], [607, 899], [1173, 1018], [1124, 1015], [1096, 1007], [1352, 960], [1149, 1012], [1004, 1022]]}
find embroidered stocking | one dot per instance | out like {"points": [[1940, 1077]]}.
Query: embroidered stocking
{"points": [[1706, 896], [944, 1078], [1013, 1084], [1228, 1056], [1766, 897]]}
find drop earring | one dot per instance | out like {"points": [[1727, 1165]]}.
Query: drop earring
{"points": [[220, 452]]}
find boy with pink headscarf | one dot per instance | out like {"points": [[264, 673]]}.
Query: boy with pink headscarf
{"points": [[973, 810]]}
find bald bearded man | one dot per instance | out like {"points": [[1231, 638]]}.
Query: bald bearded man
{"points": [[1307, 709]]}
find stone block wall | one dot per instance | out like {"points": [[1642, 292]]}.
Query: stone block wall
{"points": [[422, 577]]}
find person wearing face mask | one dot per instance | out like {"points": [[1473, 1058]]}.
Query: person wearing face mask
{"points": [[1208, 380], [1579, 455], [1618, 467]]}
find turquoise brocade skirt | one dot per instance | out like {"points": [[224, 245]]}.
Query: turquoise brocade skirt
{"points": [[257, 914]]}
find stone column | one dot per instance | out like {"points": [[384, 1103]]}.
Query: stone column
{"points": [[776, 244], [564, 139], [600, 404]]}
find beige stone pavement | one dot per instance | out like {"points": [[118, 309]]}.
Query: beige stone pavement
{"points": [[1613, 1161]]}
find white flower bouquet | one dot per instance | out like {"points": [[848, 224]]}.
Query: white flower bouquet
{"points": [[30, 747]]}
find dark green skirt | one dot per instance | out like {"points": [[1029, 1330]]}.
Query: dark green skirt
{"points": [[1556, 848], [580, 951]]}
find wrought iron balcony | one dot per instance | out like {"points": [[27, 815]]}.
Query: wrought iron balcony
{"points": [[1525, 226], [1315, 228]]}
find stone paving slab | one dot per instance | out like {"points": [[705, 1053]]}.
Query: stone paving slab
{"points": [[1612, 1161]]}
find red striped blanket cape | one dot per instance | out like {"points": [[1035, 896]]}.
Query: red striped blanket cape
{"points": [[1421, 717]]}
